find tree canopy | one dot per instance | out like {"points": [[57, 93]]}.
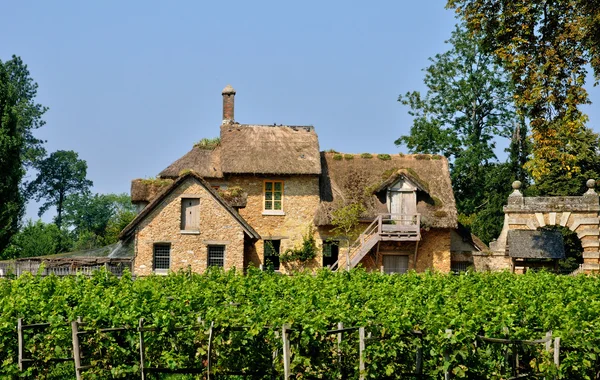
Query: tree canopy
{"points": [[19, 116], [547, 47], [60, 174], [467, 107]]}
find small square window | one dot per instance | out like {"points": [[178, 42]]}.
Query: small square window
{"points": [[162, 258], [216, 256]]}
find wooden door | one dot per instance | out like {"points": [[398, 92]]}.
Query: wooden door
{"points": [[404, 205]]}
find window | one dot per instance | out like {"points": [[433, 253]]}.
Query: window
{"points": [[395, 264], [457, 267], [162, 258], [190, 214], [216, 256], [271, 254], [330, 252], [273, 195]]}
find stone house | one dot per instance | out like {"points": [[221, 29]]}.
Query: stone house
{"points": [[260, 189]]}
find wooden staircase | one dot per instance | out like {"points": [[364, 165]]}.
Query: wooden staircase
{"points": [[385, 227]]}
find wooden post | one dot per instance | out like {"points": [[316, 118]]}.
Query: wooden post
{"points": [[348, 257], [286, 351], [419, 359], [549, 342], [76, 349], [447, 358], [208, 358], [361, 353], [557, 351], [275, 355], [340, 326], [142, 349], [20, 341]]}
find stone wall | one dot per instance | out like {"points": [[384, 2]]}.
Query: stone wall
{"points": [[300, 202], [188, 249], [434, 250], [491, 262]]}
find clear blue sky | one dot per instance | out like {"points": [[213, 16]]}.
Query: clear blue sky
{"points": [[132, 85]]}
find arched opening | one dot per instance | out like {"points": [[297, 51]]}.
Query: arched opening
{"points": [[573, 249]]}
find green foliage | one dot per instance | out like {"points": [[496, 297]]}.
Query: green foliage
{"points": [[469, 104], [366, 155], [573, 249], [384, 157], [348, 156], [547, 48], [208, 144], [306, 252], [331, 151], [345, 221], [19, 116], [337, 156], [493, 304], [35, 239], [96, 220], [59, 175]]}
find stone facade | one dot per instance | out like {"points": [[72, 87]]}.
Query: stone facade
{"points": [[300, 202], [188, 248]]}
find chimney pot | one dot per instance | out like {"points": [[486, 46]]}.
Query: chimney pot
{"points": [[228, 104]]}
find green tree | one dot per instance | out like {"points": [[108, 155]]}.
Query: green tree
{"points": [[60, 174], [547, 47], [35, 239], [467, 107], [97, 219], [19, 116]]}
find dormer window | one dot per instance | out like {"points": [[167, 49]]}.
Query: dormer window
{"points": [[402, 201]]}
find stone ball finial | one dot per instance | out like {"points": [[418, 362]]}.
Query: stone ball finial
{"points": [[591, 183], [516, 185]]}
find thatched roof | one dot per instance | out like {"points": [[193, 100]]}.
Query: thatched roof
{"points": [[264, 149], [205, 162], [127, 231], [542, 244], [399, 174], [348, 179], [144, 190]]}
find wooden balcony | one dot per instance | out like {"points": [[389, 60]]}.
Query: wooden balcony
{"points": [[385, 227], [398, 227]]}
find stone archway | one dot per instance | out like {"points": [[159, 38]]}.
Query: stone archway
{"points": [[580, 214]]}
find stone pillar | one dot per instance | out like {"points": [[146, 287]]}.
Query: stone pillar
{"points": [[590, 236]]}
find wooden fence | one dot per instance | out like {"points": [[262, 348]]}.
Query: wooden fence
{"points": [[511, 347], [47, 268]]}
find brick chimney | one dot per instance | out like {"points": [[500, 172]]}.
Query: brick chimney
{"points": [[228, 100]]}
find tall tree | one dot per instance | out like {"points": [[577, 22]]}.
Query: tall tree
{"points": [[547, 47], [19, 116], [468, 104], [60, 174]]}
